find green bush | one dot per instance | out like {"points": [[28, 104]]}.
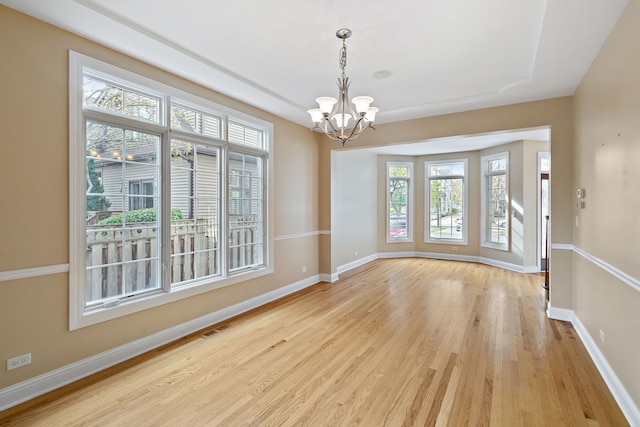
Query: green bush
{"points": [[140, 215]]}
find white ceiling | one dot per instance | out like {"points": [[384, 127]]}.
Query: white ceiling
{"points": [[443, 56]]}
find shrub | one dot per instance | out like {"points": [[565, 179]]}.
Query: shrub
{"points": [[140, 215]]}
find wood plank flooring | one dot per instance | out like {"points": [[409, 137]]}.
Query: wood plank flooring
{"points": [[396, 342]]}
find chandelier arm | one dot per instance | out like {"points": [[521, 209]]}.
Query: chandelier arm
{"points": [[355, 128]]}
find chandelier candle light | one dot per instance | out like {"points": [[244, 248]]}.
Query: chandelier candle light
{"points": [[333, 115]]}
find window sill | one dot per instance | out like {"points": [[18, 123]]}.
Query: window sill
{"points": [[447, 241], [499, 247], [133, 305]]}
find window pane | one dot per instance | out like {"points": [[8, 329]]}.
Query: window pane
{"points": [[545, 164], [497, 207], [122, 245], [195, 220], [399, 171], [398, 208], [446, 207], [245, 210], [190, 120], [447, 169], [497, 165], [241, 134], [112, 98]]}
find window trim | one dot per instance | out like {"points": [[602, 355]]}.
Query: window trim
{"points": [[409, 205], [484, 242], [465, 198], [78, 316]]}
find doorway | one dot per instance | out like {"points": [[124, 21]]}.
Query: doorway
{"points": [[544, 164]]}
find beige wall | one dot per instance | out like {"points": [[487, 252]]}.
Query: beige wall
{"points": [[35, 214], [354, 219], [607, 155]]}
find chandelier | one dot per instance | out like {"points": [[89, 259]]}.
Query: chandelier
{"points": [[333, 116]]}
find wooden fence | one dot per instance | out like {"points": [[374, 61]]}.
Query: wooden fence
{"points": [[122, 261]]}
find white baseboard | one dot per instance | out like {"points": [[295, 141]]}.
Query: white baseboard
{"points": [[447, 257], [329, 278], [397, 254], [501, 264], [620, 394], [465, 258], [34, 387], [356, 263], [563, 314], [531, 269]]}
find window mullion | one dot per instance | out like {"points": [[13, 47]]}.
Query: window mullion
{"points": [[100, 116], [165, 204]]}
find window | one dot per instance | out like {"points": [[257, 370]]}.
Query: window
{"points": [[142, 193], [154, 216], [398, 202], [245, 210], [446, 200], [495, 201]]}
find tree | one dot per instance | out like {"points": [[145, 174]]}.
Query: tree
{"points": [[398, 186], [95, 203]]}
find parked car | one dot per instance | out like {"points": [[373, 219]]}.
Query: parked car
{"points": [[398, 227]]}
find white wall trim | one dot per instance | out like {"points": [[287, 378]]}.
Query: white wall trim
{"points": [[620, 394], [356, 263], [466, 258], [501, 264], [397, 254], [614, 271], [562, 246], [448, 257], [26, 273], [298, 235], [329, 278], [34, 387], [563, 314]]}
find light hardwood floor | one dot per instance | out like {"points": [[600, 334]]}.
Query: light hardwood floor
{"points": [[396, 342]]}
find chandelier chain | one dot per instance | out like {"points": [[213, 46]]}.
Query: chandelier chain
{"points": [[343, 57]]}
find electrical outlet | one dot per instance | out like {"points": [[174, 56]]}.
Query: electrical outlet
{"points": [[601, 335], [454, 248], [355, 253], [304, 269], [16, 362]]}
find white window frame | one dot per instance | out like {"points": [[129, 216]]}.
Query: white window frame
{"points": [[485, 174], [79, 316], [465, 198], [409, 205]]}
